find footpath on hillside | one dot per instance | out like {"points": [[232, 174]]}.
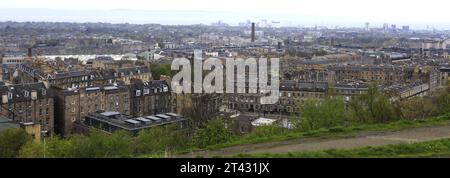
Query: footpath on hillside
{"points": [[364, 139]]}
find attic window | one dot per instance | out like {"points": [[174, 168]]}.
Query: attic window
{"points": [[44, 92], [10, 95], [26, 93]]}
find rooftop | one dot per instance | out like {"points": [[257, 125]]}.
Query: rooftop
{"points": [[6, 123], [128, 122], [23, 92]]}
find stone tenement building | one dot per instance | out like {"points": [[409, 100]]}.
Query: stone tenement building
{"points": [[141, 98], [319, 62], [28, 103], [33, 71], [38, 70], [89, 78], [198, 105], [74, 79], [294, 93], [310, 75], [149, 98], [105, 64], [291, 94], [73, 105], [125, 75], [30, 71], [379, 74]]}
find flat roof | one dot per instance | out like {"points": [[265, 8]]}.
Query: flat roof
{"points": [[109, 113], [263, 121], [154, 118], [6, 123], [163, 116], [132, 121], [142, 119], [111, 88], [172, 114], [92, 88]]}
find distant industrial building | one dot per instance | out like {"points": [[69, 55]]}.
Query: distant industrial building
{"points": [[253, 32]]}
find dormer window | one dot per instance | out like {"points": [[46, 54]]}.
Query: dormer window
{"points": [[10, 95], [44, 92], [26, 94]]}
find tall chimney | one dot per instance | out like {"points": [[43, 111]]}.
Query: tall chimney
{"points": [[253, 32], [30, 53]]}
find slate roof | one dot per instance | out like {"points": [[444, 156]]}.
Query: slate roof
{"points": [[303, 86], [22, 92]]}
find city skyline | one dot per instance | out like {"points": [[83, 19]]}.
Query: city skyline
{"points": [[224, 79], [288, 12]]}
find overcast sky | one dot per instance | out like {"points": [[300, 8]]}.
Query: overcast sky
{"points": [[401, 12]]}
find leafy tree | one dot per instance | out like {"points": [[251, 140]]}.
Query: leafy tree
{"points": [[11, 141], [266, 131], [119, 144], [372, 106], [315, 114], [98, 144], [32, 150], [152, 141], [81, 146], [418, 108], [422, 107], [59, 147], [160, 69], [215, 132], [161, 139], [442, 100], [94, 145]]}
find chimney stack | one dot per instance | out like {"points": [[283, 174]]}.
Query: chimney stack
{"points": [[30, 53], [253, 32]]}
